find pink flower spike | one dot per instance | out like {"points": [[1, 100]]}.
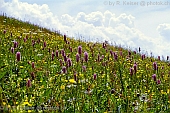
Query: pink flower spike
{"points": [[64, 70], [33, 65], [84, 68], [131, 71], [4, 31], [154, 77], [79, 49], [56, 53], [29, 83], [45, 44], [69, 62], [52, 56], [95, 76], [65, 39], [158, 81], [75, 76], [77, 57], [167, 58], [15, 44], [159, 58], [135, 68], [86, 56], [12, 49], [154, 66], [18, 56]]}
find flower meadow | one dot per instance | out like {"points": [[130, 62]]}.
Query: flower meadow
{"points": [[45, 71]]}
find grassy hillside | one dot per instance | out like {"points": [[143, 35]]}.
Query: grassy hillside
{"points": [[42, 70]]}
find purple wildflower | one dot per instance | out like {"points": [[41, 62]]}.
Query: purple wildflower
{"points": [[129, 53], [65, 58], [77, 57], [79, 49], [143, 56], [75, 76], [113, 91], [15, 44], [115, 56], [63, 52], [139, 50], [111, 52], [45, 44], [33, 75], [154, 66], [98, 57], [135, 68], [56, 53], [131, 71], [84, 68], [158, 81], [154, 77], [167, 58], [33, 65], [65, 39], [33, 43], [25, 39], [52, 56], [12, 49], [86, 56], [69, 62], [94, 76], [158, 57], [64, 69], [162, 67], [18, 56], [134, 52], [71, 50], [28, 83], [4, 31]]}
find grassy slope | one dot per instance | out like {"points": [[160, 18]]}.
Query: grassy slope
{"points": [[48, 82]]}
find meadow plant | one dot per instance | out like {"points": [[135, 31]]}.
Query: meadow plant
{"points": [[60, 74], [18, 56]]}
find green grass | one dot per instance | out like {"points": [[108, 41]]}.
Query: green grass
{"points": [[114, 89]]}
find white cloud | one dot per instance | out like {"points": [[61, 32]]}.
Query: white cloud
{"points": [[108, 18], [95, 18], [67, 20], [164, 30], [96, 25]]}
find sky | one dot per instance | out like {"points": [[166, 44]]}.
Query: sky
{"points": [[129, 23]]}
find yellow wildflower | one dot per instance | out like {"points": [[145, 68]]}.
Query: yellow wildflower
{"points": [[81, 75], [168, 91], [21, 67], [62, 87], [163, 92], [29, 111], [72, 81], [26, 103], [56, 75], [4, 103], [9, 106], [92, 86]]}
